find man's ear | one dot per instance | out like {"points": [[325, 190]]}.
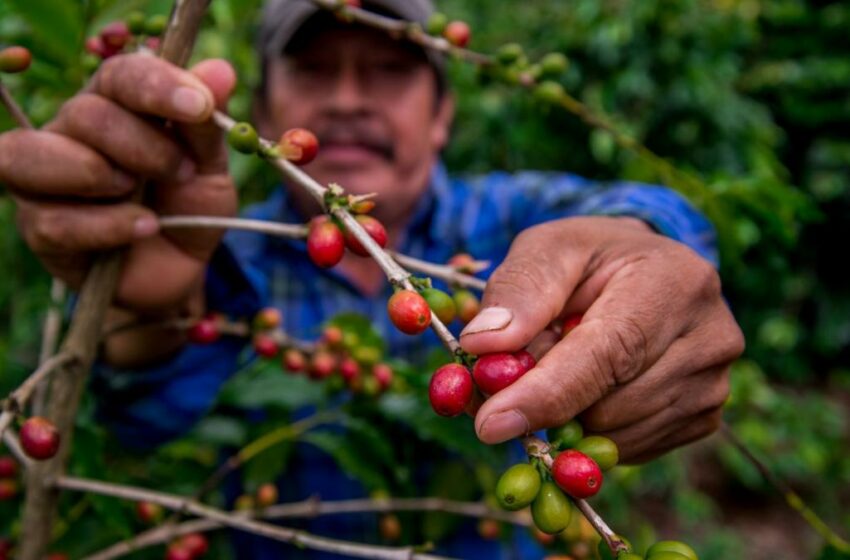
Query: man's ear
{"points": [[443, 120]]}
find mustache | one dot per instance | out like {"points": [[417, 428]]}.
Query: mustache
{"points": [[356, 133]]}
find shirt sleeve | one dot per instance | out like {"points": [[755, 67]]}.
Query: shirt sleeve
{"points": [[148, 407]]}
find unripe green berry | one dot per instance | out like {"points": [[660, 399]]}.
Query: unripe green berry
{"points": [[554, 64], [155, 25], [509, 53], [666, 555], [518, 487], [441, 304], [600, 449], [136, 23], [437, 23], [243, 138], [551, 509], [566, 436], [605, 553], [629, 556], [676, 547], [549, 91]]}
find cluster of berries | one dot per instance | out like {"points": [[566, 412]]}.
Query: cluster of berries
{"points": [[116, 36], [297, 145], [456, 32], [265, 496], [661, 550]]}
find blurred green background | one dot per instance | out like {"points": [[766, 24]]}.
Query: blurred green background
{"points": [[751, 96]]}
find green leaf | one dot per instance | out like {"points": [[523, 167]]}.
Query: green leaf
{"points": [[347, 454], [57, 26], [272, 388]]}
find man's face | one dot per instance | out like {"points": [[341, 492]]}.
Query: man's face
{"points": [[372, 102]]}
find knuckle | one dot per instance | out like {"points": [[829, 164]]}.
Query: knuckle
{"points": [[83, 111], [704, 279], [48, 230], [623, 351]]}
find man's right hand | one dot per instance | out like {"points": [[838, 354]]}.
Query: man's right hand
{"points": [[75, 180]]}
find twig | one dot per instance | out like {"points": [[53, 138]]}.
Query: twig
{"points": [[443, 272], [14, 109], [791, 497], [283, 534], [310, 508], [13, 444], [49, 339]]}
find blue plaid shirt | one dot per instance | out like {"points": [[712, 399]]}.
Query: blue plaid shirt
{"points": [[480, 215]]}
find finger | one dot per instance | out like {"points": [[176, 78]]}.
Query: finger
{"points": [[150, 85], [526, 292], [133, 143], [38, 163]]}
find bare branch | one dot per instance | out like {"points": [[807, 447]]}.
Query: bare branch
{"points": [[50, 331], [14, 109]]}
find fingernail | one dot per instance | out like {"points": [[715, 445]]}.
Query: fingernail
{"points": [[186, 171], [189, 101], [503, 426], [145, 227], [489, 319], [122, 181]]}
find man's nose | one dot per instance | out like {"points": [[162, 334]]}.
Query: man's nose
{"points": [[349, 91]]}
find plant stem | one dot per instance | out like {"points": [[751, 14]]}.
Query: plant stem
{"points": [[14, 109]]}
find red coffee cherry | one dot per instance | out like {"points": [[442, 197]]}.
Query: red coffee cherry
{"points": [[8, 489], [267, 495], [299, 146], [333, 336], [349, 369], [571, 322], [322, 365], [457, 33], [265, 346], [15, 59], [268, 318], [353, 3], [494, 372], [384, 375], [375, 230], [153, 43], [450, 390], [409, 312], [8, 467], [294, 361], [525, 359], [205, 331], [577, 474], [176, 551], [115, 35], [489, 529], [195, 543], [39, 438], [148, 512], [463, 262], [325, 242]]}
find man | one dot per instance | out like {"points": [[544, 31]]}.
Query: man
{"points": [[648, 366]]}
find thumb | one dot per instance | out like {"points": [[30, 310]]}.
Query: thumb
{"points": [[525, 293], [205, 141]]}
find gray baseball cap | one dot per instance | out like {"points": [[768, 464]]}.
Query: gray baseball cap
{"points": [[281, 20]]}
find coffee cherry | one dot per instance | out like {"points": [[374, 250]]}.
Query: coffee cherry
{"points": [[666, 555], [349, 369], [333, 336], [526, 360], [266, 495], [600, 449], [441, 304], [671, 546], [450, 390], [390, 527], [57, 556], [362, 206], [409, 312], [176, 551], [566, 436], [294, 360], [545, 539], [149, 513], [367, 355], [551, 509], [8, 467], [437, 23], [571, 322], [265, 346], [153, 43], [457, 33], [467, 305], [205, 331], [245, 502], [15, 59], [549, 92], [195, 543], [8, 489], [510, 53], [629, 556], [553, 64], [325, 242], [299, 146], [243, 138], [383, 375], [267, 318], [518, 487], [605, 552], [493, 372], [463, 262], [489, 529], [322, 365], [39, 438], [375, 230], [136, 23], [155, 25], [115, 35], [577, 474]]}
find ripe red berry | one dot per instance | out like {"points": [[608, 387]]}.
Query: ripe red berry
{"points": [[384, 375], [205, 331], [375, 230], [349, 369], [325, 242], [494, 372], [195, 543], [577, 474], [176, 551], [571, 322], [8, 489], [293, 360], [333, 336], [115, 35], [353, 3], [322, 365], [457, 33], [267, 495], [15, 59], [409, 312], [450, 390], [299, 146], [489, 529], [8, 467], [153, 43], [267, 318], [525, 359], [39, 438], [265, 345], [149, 513]]}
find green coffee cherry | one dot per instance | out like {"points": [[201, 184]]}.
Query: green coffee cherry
{"points": [[554, 64], [605, 553], [566, 436], [629, 556], [509, 53], [671, 546], [437, 23], [441, 304], [155, 25], [668, 556], [551, 509], [243, 138], [518, 487], [549, 91], [136, 23], [600, 449]]}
